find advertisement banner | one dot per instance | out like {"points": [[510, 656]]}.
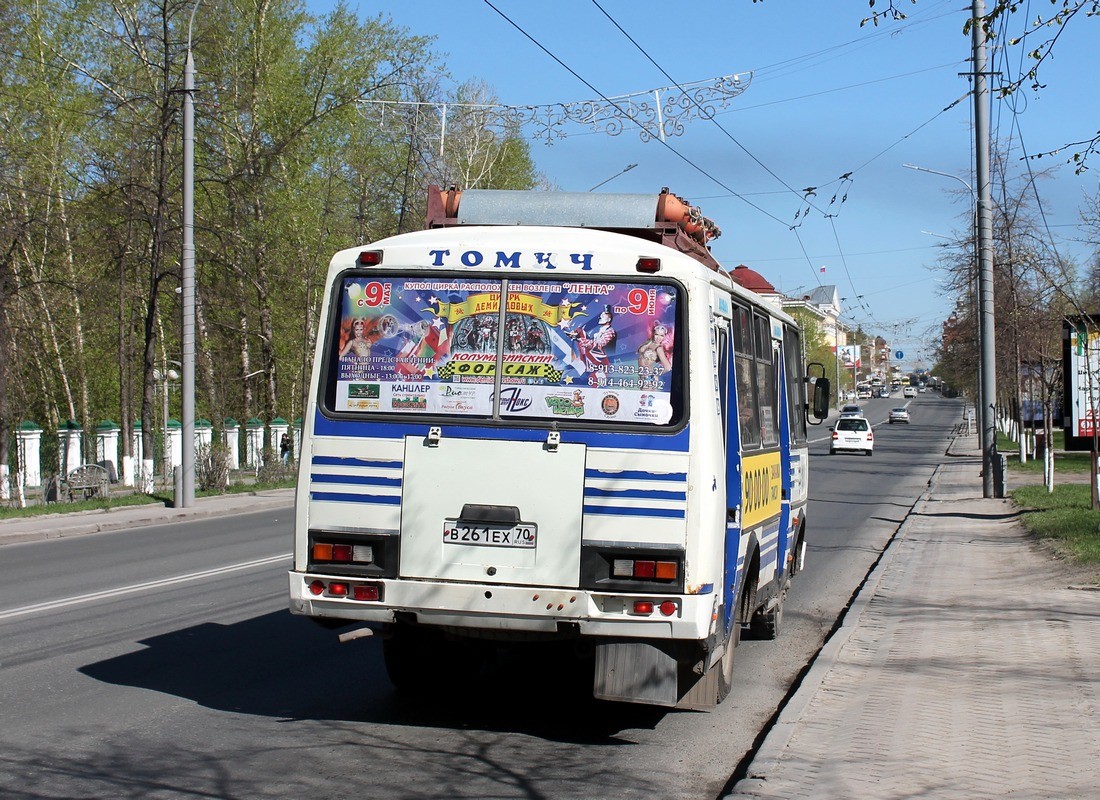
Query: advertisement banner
{"points": [[564, 350], [849, 356]]}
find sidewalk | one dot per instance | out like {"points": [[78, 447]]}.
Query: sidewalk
{"points": [[74, 523], [967, 667]]}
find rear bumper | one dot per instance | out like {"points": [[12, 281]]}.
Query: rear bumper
{"points": [[490, 607], [855, 447]]}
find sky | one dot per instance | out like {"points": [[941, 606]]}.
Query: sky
{"points": [[826, 98]]}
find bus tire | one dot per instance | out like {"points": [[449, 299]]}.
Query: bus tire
{"points": [[725, 665]]}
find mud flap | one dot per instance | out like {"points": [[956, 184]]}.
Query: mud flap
{"points": [[699, 692], [635, 672]]}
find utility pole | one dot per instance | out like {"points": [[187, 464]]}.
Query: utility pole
{"points": [[187, 355], [991, 463]]}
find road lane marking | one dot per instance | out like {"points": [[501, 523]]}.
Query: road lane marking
{"points": [[53, 605]]}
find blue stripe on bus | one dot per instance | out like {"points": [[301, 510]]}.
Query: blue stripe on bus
{"points": [[369, 429], [365, 480], [664, 513], [337, 461], [636, 475], [645, 493], [367, 499]]}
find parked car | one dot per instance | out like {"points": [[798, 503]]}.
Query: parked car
{"points": [[899, 414], [852, 434], [851, 410]]}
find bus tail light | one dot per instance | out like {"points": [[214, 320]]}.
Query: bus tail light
{"points": [[648, 265], [645, 569], [643, 607], [370, 258], [343, 553], [363, 592]]}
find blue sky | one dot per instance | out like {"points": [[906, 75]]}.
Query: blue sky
{"points": [[826, 98]]}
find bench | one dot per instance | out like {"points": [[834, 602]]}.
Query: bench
{"points": [[88, 480]]}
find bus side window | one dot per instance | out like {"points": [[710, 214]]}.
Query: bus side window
{"points": [[767, 389], [744, 368]]}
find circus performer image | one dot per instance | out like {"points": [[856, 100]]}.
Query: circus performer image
{"points": [[657, 349], [365, 333], [594, 350]]}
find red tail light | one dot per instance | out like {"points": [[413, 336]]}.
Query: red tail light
{"points": [[370, 258], [649, 265]]}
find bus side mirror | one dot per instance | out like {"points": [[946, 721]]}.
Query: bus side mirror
{"points": [[819, 395]]}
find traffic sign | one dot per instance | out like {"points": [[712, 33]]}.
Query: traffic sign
{"points": [[899, 355]]}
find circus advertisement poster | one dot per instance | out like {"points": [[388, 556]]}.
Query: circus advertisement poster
{"points": [[567, 351]]}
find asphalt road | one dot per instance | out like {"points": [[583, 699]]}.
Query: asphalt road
{"points": [[162, 663]]}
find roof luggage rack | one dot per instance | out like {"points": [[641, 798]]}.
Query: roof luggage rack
{"points": [[666, 218]]}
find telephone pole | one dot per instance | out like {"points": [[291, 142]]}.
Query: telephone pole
{"points": [[991, 463]]}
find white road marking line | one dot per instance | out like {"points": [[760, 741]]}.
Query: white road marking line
{"points": [[138, 587]]}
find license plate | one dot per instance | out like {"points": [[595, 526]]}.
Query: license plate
{"points": [[521, 536]]}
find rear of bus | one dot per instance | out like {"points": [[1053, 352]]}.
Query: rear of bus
{"points": [[497, 444]]}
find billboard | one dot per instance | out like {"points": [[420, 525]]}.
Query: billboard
{"points": [[849, 356], [1081, 378]]}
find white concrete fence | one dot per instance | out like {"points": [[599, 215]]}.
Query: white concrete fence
{"points": [[70, 440]]}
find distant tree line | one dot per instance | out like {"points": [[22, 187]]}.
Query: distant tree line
{"points": [[288, 170]]}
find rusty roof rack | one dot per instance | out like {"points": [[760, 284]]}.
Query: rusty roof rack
{"points": [[665, 219]]}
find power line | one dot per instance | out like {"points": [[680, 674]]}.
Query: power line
{"points": [[626, 114]]}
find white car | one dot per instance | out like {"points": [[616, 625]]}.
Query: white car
{"points": [[852, 434], [909, 391], [899, 414]]}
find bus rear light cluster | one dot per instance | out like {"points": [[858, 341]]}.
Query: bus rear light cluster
{"points": [[364, 592], [343, 553], [645, 608], [645, 569]]}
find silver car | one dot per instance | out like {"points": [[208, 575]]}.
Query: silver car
{"points": [[900, 414]]}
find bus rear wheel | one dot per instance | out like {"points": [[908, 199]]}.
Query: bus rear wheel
{"points": [[725, 666]]}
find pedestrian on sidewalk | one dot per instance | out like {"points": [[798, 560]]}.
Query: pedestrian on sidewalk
{"points": [[284, 449]]}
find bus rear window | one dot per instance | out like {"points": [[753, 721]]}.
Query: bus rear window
{"points": [[566, 351]]}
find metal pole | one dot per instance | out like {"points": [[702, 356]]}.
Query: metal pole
{"points": [[188, 281], [836, 357], [985, 255]]}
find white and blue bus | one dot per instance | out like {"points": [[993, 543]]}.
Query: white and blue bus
{"points": [[554, 416]]}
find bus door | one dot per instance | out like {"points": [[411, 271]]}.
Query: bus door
{"points": [[743, 432]]}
